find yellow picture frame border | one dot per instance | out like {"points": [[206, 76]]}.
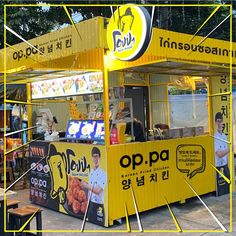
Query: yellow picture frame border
{"points": [[127, 223]]}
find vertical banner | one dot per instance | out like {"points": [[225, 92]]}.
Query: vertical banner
{"points": [[220, 114]]}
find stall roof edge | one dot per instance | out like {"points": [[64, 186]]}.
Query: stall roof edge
{"points": [[179, 67], [160, 58]]}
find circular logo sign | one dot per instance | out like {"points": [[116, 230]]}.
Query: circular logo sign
{"points": [[129, 32]]}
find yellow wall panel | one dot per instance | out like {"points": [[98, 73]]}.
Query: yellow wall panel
{"points": [[58, 45], [165, 160]]}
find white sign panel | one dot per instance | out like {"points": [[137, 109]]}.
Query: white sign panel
{"points": [[68, 86]]}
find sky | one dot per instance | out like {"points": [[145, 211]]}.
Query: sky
{"points": [[77, 17]]}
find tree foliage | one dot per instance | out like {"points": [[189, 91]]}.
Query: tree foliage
{"points": [[30, 22]]}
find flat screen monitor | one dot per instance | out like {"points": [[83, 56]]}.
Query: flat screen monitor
{"points": [[86, 130]]}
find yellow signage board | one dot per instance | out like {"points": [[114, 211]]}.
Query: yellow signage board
{"points": [[158, 171], [179, 46], [129, 32], [191, 159], [61, 48]]}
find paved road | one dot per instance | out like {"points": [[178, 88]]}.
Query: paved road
{"points": [[191, 216]]}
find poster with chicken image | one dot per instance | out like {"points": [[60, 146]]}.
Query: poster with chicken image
{"points": [[79, 180]]}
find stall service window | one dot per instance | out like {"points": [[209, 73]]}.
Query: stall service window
{"points": [[188, 102]]}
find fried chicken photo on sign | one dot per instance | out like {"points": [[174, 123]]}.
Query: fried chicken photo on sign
{"points": [[83, 206], [76, 196], [76, 206]]}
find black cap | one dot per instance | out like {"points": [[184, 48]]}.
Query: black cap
{"points": [[95, 150], [218, 116], [128, 12]]}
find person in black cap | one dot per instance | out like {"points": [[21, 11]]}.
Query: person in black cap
{"points": [[137, 127], [97, 183], [221, 154]]}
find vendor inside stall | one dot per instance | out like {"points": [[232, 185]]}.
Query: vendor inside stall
{"points": [[137, 127]]}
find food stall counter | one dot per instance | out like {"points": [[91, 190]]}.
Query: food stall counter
{"points": [[164, 168]]}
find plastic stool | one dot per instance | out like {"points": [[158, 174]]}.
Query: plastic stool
{"points": [[19, 216], [12, 204]]}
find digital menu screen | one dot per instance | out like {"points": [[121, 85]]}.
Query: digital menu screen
{"points": [[86, 130]]}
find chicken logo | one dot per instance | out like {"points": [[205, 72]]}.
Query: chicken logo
{"points": [[59, 180], [125, 22], [222, 170], [100, 211], [129, 32]]}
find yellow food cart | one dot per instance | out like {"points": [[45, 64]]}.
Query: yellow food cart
{"points": [[137, 176]]}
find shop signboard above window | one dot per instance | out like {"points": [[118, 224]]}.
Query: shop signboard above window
{"points": [[68, 86]]}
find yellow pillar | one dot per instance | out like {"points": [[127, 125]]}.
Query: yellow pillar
{"points": [[106, 103], [210, 112], [29, 109]]}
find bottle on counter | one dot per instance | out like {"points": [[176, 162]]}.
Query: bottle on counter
{"points": [[114, 135]]}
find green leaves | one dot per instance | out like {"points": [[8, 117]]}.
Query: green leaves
{"points": [[30, 22]]}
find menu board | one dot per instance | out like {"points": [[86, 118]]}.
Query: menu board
{"points": [[68, 86], [40, 179], [96, 111], [86, 130]]}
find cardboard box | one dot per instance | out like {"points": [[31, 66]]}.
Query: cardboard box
{"points": [[188, 131], [175, 133], [198, 130]]}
